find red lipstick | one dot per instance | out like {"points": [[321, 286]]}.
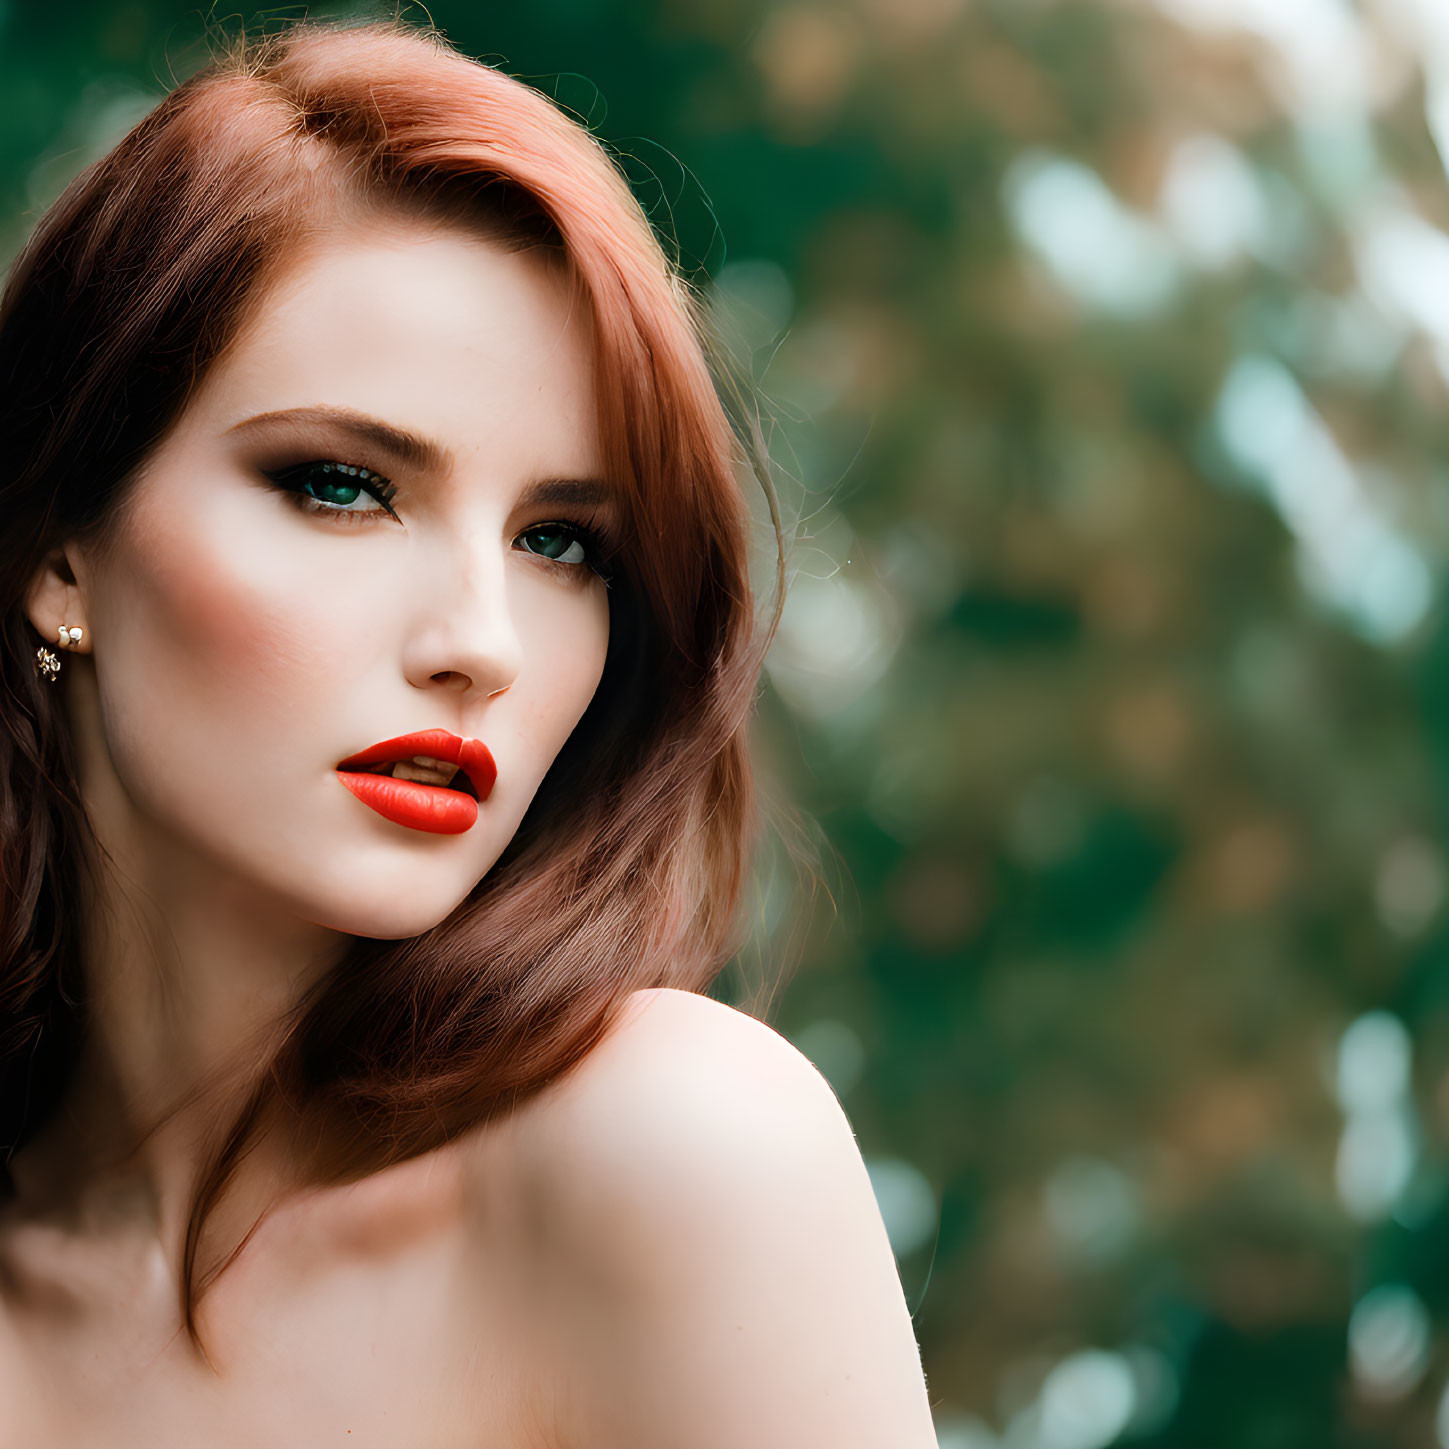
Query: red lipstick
{"points": [[434, 808]]}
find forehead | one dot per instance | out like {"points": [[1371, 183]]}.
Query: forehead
{"points": [[436, 330]]}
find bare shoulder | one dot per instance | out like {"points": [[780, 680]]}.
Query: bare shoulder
{"points": [[708, 1262], [683, 1088], [687, 1043], [682, 1025]]}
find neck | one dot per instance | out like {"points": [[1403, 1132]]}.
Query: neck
{"points": [[188, 976]]}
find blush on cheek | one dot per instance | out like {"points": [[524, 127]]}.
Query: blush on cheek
{"points": [[223, 603], [225, 629]]}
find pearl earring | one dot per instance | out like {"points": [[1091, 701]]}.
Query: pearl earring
{"points": [[47, 665]]}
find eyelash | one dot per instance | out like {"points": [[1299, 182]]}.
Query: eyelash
{"points": [[291, 480]]}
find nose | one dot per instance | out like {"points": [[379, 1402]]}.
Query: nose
{"points": [[468, 638]]}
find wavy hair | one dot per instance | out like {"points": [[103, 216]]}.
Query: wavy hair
{"points": [[627, 870]]}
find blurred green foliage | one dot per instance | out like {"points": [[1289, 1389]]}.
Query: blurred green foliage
{"points": [[1103, 348]]}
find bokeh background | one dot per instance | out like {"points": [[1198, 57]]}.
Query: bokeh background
{"points": [[1103, 351]]}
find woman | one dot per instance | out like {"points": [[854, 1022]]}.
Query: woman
{"points": [[377, 655]]}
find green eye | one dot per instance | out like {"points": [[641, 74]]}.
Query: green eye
{"points": [[329, 490], [326, 486], [562, 545]]}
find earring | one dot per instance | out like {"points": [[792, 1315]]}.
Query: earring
{"points": [[47, 665]]}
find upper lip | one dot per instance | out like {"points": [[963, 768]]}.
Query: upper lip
{"points": [[473, 756]]}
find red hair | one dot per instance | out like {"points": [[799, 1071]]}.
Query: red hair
{"points": [[627, 870]]}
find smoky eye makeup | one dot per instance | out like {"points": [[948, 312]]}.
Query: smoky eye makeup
{"points": [[574, 546], [328, 487]]}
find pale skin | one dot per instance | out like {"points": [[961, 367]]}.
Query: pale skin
{"points": [[675, 1245]]}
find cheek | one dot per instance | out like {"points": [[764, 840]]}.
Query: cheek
{"points": [[213, 595], [564, 644], [205, 641]]}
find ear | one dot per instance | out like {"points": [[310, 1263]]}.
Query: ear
{"points": [[57, 596]]}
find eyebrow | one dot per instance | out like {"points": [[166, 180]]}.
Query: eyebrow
{"points": [[580, 491], [422, 454], [401, 445]]}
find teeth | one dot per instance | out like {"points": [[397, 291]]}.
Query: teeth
{"points": [[424, 770]]}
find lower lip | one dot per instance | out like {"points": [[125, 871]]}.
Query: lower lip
{"points": [[419, 807]]}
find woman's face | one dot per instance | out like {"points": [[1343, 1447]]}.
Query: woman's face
{"points": [[261, 616]]}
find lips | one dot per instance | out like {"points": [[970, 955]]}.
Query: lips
{"points": [[433, 808]]}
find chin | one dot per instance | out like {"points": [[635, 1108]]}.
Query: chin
{"points": [[384, 920], [387, 905]]}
